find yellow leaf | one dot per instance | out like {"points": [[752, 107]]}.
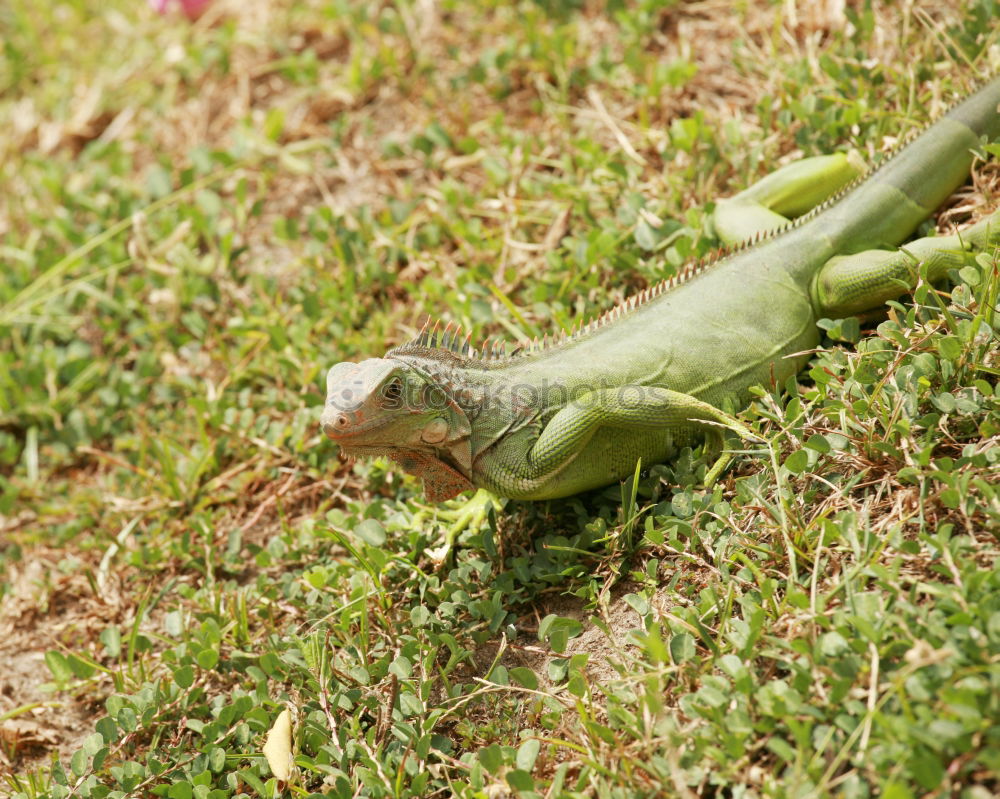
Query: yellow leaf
{"points": [[278, 746]]}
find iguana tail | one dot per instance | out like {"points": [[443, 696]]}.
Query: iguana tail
{"points": [[888, 205]]}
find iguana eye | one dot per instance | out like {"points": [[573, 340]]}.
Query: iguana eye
{"points": [[393, 390]]}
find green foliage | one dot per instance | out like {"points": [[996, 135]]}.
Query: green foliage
{"points": [[180, 269]]}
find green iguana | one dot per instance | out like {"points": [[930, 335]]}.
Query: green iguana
{"points": [[653, 374]]}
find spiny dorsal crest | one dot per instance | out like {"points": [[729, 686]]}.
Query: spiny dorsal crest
{"points": [[434, 338], [450, 339], [434, 341]]}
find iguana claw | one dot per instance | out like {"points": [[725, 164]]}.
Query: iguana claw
{"points": [[470, 514]]}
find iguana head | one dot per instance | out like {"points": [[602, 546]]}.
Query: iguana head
{"points": [[385, 406]]}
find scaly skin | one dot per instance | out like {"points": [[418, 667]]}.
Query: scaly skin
{"points": [[666, 369]]}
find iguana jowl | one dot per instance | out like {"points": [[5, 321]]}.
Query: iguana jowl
{"points": [[652, 375]]}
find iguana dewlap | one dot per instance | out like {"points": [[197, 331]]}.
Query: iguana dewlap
{"points": [[651, 376]]}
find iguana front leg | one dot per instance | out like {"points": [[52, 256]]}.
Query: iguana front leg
{"points": [[460, 515], [786, 193], [855, 284], [598, 438]]}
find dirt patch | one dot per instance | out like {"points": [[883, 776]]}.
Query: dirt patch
{"points": [[47, 609], [607, 650]]}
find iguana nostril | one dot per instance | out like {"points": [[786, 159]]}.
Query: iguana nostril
{"points": [[331, 427]]}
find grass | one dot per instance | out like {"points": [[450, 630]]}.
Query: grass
{"points": [[198, 219]]}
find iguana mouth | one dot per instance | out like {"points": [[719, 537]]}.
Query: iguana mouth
{"points": [[342, 426], [366, 452], [339, 434], [442, 478]]}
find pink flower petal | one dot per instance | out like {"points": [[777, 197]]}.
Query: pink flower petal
{"points": [[192, 8]]}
